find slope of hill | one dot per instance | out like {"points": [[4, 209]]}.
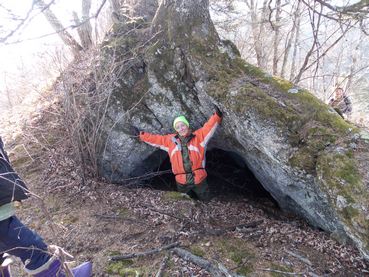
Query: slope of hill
{"points": [[95, 220]]}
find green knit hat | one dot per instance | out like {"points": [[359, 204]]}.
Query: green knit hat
{"points": [[180, 118]]}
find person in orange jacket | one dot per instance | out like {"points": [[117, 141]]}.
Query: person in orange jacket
{"points": [[186, 150]]}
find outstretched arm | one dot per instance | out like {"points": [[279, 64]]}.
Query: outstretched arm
{"points": [[160, 141], [207, 131]]}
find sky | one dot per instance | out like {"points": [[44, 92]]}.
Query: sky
{"points": [[36, 37], [19, 57], [36, 44]]}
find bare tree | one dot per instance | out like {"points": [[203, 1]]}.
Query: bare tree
{"points": [[59, 28], [359, 10], [315, 21], [292, 35], [295, 48], [84, 28], [258, 30], [354, 63], [19, 22], [276, 27]]}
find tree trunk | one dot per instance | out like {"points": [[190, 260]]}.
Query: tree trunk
{"points": [[277, 26], [290, 39], [258, 31], [59, 28], [84, 28], [315, 26], [295, 49], [354, 64]]}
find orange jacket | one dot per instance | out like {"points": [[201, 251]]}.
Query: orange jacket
{"points": [[196, 147]]}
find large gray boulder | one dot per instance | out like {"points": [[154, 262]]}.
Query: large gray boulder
{"points": [[310, 160]]}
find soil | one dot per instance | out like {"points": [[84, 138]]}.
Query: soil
{"points": [[93, 220]]}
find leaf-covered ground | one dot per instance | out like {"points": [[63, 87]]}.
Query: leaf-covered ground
{"points": [[95, 220]]}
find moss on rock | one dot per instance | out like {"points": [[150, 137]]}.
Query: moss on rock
{"points": [[340, 178], [340, 174]]}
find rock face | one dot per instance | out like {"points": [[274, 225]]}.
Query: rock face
{"points": [[310, 160]]}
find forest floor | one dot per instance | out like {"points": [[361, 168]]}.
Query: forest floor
{"points": [[95, 220]]}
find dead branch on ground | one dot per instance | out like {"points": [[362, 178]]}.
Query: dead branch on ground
{"points": [[301, 258], [120, 217], [140, 254], [218, 232], [218, 270], [162, 266]]}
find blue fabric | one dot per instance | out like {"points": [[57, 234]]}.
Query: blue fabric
{"points": [[4, 272], [54, 270], [18, 240], [12, 188]]}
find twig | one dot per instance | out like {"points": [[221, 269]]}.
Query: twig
{"points": [[171, 215], [29, 155], [301, 258], [162, 266], [312, 274], [218, 232], [119, 217], [62, 255], [22, 22], [282, 272], [146, 176], [140, 254], [217, 271], [61, 187]]}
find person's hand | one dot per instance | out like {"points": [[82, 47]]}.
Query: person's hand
{"points": [[218, 111], [134, 131]]}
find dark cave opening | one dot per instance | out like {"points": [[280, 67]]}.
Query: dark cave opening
{"points": [[228, 177]]}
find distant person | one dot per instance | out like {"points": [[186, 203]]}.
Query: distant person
{"points": [[341, 103], [186, 150], [17, 239]]}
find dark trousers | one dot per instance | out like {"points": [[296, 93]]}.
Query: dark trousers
{"points": [[18, 240], [200, 191]]}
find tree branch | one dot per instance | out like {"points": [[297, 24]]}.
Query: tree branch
{"points": [[359, 7], [140, 254], [64, 28], [217, 271], [23, 21], [162, 266]]}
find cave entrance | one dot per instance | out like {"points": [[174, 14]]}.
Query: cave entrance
{"points": [[228, 177]]}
